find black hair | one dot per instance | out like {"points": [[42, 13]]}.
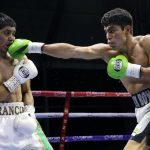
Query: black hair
{"points": [[117, 16], [5, 20]]}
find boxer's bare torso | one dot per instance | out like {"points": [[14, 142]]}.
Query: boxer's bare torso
{"points": [[137, 55], [7, 65]]}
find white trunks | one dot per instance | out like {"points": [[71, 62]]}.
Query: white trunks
{"points": [[9, 137]]}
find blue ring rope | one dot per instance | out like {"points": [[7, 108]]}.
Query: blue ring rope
{"points": [[90, 138]]}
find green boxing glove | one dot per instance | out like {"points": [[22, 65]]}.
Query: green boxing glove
{"points": [[20, 47], [119, 67]]}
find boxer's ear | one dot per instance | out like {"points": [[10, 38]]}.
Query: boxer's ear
{"points": [[128, 29]]}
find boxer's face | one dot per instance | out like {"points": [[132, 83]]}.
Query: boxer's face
{"points": [[116, 36], [7, 36]]}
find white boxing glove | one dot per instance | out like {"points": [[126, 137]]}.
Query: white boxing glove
{"points": [[23, 71], [25, 125]]}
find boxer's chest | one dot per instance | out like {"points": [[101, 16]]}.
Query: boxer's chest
{"points": [[139, 56], [6, 69]]}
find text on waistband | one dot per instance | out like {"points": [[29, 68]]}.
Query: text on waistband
{"points": [[11, 110]]}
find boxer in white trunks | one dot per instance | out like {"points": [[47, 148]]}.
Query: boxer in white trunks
{"points": [[19, 129]]}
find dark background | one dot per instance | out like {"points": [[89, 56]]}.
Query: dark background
{"points": [[76, 22]]}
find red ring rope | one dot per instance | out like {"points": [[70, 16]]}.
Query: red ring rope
{"points": [[65, 121], [80, 94]]}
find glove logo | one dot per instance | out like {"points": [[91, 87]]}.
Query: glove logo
{"points": [[23, 72], [118, 65]]}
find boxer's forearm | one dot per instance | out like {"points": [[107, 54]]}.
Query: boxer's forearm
{"points": [[59, 50], [66, 51], [28, 99], [145, 73], [27, 96]]}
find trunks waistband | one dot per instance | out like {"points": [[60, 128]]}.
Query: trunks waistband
{"points": [[141, 98], [15, 108]]}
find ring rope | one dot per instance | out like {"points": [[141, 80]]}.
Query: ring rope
{"points": [[80, 94], [75, 115], [86, 115], [65, 121], [90, 138]]}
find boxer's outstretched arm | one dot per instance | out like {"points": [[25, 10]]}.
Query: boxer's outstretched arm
{"points": [[60, 50], [66, 51]]}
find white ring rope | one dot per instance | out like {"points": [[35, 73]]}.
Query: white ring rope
{"points": [[86, 115]]}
